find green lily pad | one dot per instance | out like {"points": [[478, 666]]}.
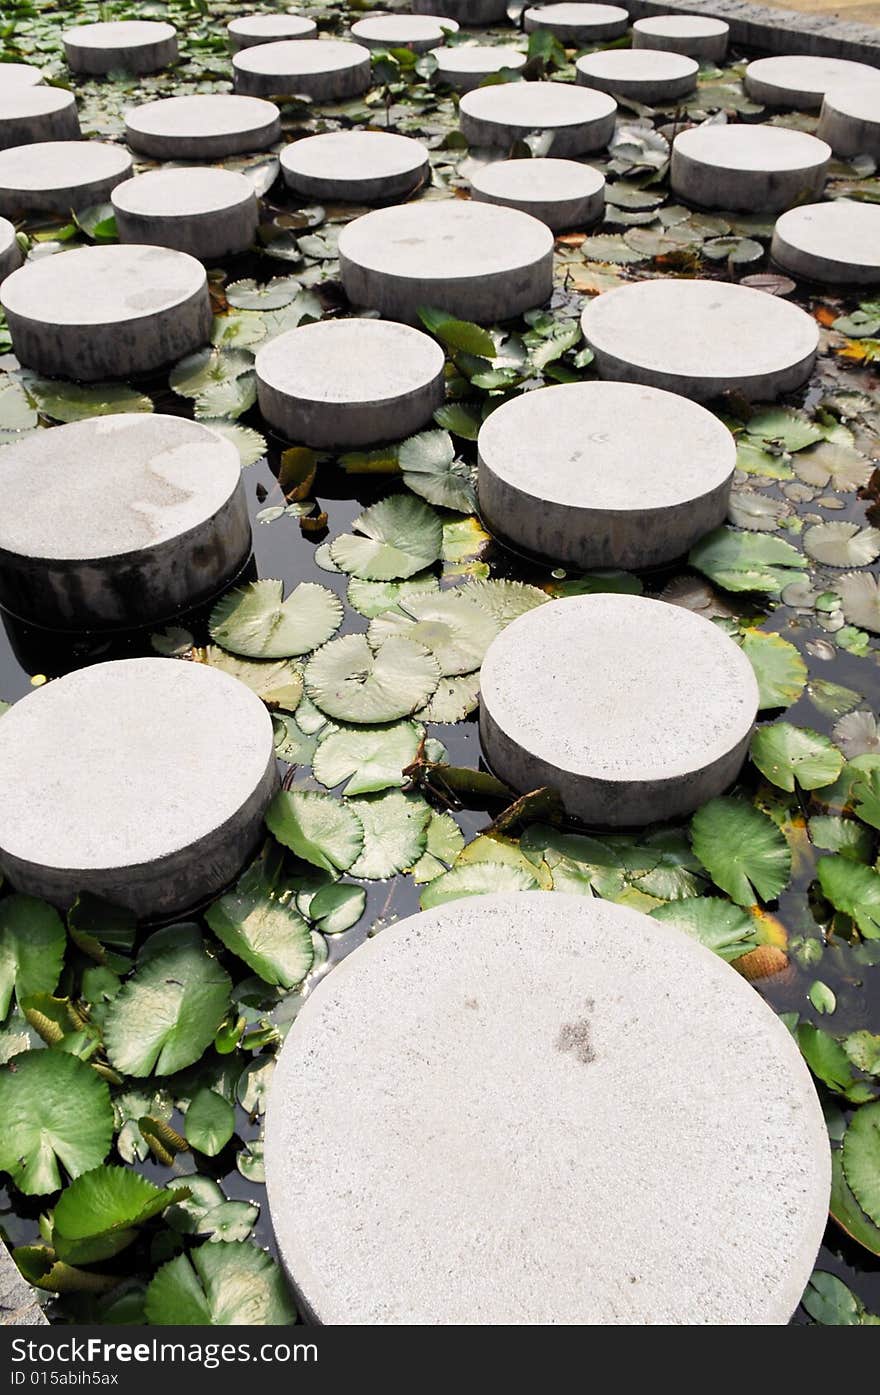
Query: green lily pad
{"points": [[318, 828], [248, 295], [853, 889], [842, 544], [68, 402], [847, 1212], [32, 945], [395, 829], [786, 754], [504, 600], [742, 850], [208, 369], [56, 1114], [476, 879], [430, 469], [717, 924], [861, 1159], [220, 1285], [166, 1015], [860, 599], [372, 598], [279, 682], [830, 1302], [250, 444], [337, 908], [350, 681], [748, 561], [783, 428], [209, 1123], [257, 622], [230, 1221], [99, 1214], [393, 539], [457, 632], [368, 759], [452, 700], [267, 932], [779, 668], [445, 841]]}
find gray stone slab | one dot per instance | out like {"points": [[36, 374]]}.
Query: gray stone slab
{"points": [[202, 127], [18, 1301], [31, 114], [417, 32], [850, 119], [468, 1125], [13, 75], [249, 30], [648, 75], [107, 312], [701, 338], [119, 521], [474, 260], [207, 212], [10, 253], [578, 23], [559, 478], [837, 242], [470, 13], [465, 66], [801, 81], [168, 768], [668, 704], [355, 166], [767, 29], [581, 120], [137, 45], [340, 384], [761, 169], [699, 37], [561, 193], [327, 70], [58, 175]]}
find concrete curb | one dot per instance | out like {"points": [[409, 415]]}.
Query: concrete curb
{"points": [[18, 1304], [776, 31]]}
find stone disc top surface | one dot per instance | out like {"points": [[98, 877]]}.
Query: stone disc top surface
{"points": [[396, 31], [844, 231], [860, 100], [354, 155], [565, 445], [295, 56], [538, 104], [102, 285], [122, 33], [60, 164], [563, 16], [682, 26], [445, 240], [19, 75], [182, 193], [699, 329], [808, 73], [198, 116], [157, 754], [112, 485], [269, 27], [543, 1109], [478, 58], [620, 688], [539, 179], [20, 101], [637, 65], [349, 361], [741, 147]]}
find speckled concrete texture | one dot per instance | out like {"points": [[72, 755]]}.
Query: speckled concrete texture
{"points": [[206, 212], [138, 46], [581, 119], [466, 65], [57, 175], [355, 166], [759, 169], [578, 24], [698, 37], [18, 1304], [645, 74], [10, 253], [417, 32], [249, 30], [801, 81], [327, 70], [850, 119], [36, 114], [561, 193], [543, 1109], [835, 242], [202, 127], [769, 29]]}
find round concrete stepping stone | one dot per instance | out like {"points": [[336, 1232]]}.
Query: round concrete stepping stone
{"points": [[268, 29], [850, 118], [470, 259], [671, 699], [836, 242], [560, 193], [14, 75], [581, 120], [107, 312], [558, 475], [758, 168], [58, 175], [202, 127], [206, 212], [801, 80], [119, 521], [339, 384], [10, 253], [327, 70], [704, 39], [137, 45], [31, 114], [465, 66], [472, 13], [158, 801], [355, 166], [701, 338], [578, 24], [501, 1152], [645, 74], [417, 32]]}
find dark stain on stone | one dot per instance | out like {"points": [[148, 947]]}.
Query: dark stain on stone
{"points": [[576, 1038], [471, 1003]]}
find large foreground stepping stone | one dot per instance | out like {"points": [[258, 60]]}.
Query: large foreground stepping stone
{"points": [[802, 80], [558, 476], [578, 24], [836, 242], [327, 70], [761, 169], [646, 75], [206, 212], [473, 13], [465, 66], [31, 114], [561, 193], [202, 127], [137, 45], [268, 29], [581, 120], [701, 338], [543, 1109], [634, 710], [850, 118], [107, 312], [10, 253], [14, 75], [470, 259], [704, 39], [355, 166], [339, 384], [58, 175], [417, 32], [167, 771], [119, 521]]}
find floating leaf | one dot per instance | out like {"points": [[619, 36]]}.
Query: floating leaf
{"points": [[372, 598], [861, 1159], [369, 760], [209, 1123], [32, 944], [17, 412], [866, 797], [248, 295], [395, 833], [393, 539], [458, 335], [220, 1285], [827, 463], [67, 402], [230, 1221], [738, 250], [779, 668], [843, 836], [783, 428], [717, 924], [194, 375], [349, 681], [847, 1212], [279, 682], [430, 469], [757, 513], [742, 850], [445, 841], [319, 829], [337, 908], [860, 599], [56, 1111], [476, 879], [747, 561], [857, 734], [98, 1215], [456, 632], [853, 889], [786, 753], [257, 622], [452, 700], [504, 600], [165, 1016], [829, 1302], [842, 544], [268, 933]]}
